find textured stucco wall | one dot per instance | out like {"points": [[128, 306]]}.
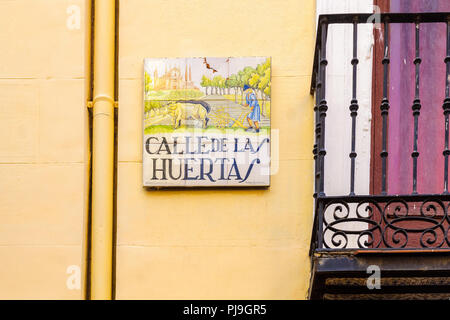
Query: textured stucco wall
{"points": [[42, 148], [218, 243]]}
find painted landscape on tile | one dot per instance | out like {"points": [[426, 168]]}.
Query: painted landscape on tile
{"points": [[206, 121]]}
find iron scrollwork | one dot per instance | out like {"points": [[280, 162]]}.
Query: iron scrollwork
{"points": [[387, 222]]}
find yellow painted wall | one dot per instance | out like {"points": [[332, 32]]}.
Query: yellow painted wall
{"points": [[214, 244], [42, 148]]}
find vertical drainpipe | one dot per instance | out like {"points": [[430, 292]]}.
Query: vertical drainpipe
{"points": [[88, 153], [103, 149]]}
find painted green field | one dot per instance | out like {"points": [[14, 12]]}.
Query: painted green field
{"points": [[161, 129], [173, 94]]}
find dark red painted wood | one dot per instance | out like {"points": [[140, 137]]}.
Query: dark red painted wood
{"points": [[377, 95], [401, 94]]}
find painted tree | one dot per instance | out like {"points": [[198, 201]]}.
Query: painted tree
{"points": [[218, 82], [240, 77], [233, 83], [228, 85], [254, 80], [264, 85], [262, 78], [148, 82], [244, 77], [258, 78], [221, 83], [214, 85], [205, 83], [267, 89], [248, 73]]}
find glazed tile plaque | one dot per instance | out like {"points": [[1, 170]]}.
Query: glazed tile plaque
{"points": [[206, 122]]}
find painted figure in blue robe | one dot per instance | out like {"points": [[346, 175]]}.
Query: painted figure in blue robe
{"points": [[254, 117]]}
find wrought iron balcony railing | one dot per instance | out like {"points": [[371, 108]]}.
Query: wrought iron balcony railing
{"points": [[379, 221]]}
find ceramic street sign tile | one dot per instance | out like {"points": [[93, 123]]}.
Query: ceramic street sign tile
{"points": [[206, 122]]}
